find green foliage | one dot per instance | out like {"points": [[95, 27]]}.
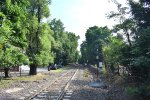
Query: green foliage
{"points": [[141, 12], [72, 43], [84, 52], [60, 39], [45, 44], [25, 39], [132, 90], [39, 8], [40, 36], [141, 93], [65, 45], [44, 56], [12, 33], [92, 47], [135, 55], [58, 28], [12, 56], [141, 61], [112, 50], [104, 71]]}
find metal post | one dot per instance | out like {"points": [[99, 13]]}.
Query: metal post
{"points": [[98, 83], [97, 71], [97, 74]]}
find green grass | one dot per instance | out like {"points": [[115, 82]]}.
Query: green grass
{"points": [[7, 81], [39, 76], [86, 73], [58, 70]]}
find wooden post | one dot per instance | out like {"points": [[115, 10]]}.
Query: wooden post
{"points": [[20, 70], [97, 71]]}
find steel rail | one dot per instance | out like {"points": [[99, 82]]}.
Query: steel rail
{"points": [[64, 89], [35, 94]]}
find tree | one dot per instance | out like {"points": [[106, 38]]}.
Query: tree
{"points": [[140, 11], [126, 25], [128, 28], [136, 56], [72, 46], [66, 43], [83, 49], [112, 53], [13, 31], [39, 34], [140, 64], [60, 37], [95, 37], [58, 27]]}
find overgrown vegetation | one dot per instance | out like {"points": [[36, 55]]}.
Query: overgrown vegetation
{"points": [[124, 50]]}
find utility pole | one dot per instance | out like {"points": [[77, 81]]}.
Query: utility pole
{"points": [[97, 59], [97, 83]]}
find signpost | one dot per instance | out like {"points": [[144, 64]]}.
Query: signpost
{"points": [[98, 83], [97, 58], [100, 64]]}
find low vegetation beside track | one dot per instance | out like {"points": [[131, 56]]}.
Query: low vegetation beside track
{"points": [[5, 82]]}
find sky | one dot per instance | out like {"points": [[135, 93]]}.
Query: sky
{"points": [[78, 15]]}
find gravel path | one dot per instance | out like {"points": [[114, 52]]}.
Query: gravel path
{"points": [[82, 90]]}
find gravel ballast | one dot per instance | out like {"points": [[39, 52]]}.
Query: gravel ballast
{"points": [[79, 88], [19, 90]]}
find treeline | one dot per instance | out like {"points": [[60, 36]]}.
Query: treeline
{"points": [[124, 50], [26, 39]]}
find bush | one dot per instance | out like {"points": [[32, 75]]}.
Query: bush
{"points": [[132, 90], [141, 92], [103, 70]]}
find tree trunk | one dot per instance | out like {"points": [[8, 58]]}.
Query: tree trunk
{"points": [[39, 14], [37, 33], [129, 41], [112, 68], [33, 69], [128, 37], [6, 71], [105, 64], [118, 69]]}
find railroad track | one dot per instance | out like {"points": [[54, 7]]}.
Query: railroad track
{"points": [[57, 90]]}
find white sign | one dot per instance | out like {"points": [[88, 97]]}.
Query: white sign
{"points": [[100, 64]]}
